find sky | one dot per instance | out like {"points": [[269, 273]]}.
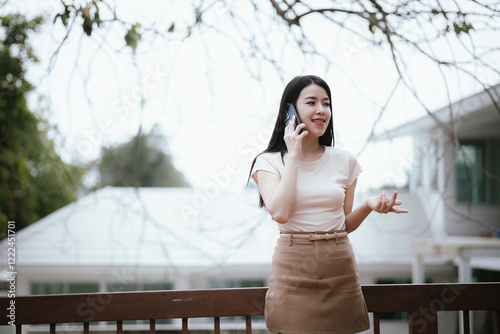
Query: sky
{"points": [[215, 107]]}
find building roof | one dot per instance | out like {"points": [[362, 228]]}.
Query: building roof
{"points": [[151, 227], [473, 112]]}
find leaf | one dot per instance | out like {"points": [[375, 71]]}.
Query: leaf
{"points": [[132, 37], [87, 26], [62, 19], [86, 12], [462, 27], [466, 27], [87, 21], [97, 17], [63, 16], [371, 25]]}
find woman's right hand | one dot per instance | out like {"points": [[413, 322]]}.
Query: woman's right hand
{"points": [[293, 138]]}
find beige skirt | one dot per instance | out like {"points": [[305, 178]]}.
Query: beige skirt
{"points": [[314, 288]]}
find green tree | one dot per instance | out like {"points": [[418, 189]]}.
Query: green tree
{"points": [[140, 162], [33, 178]]}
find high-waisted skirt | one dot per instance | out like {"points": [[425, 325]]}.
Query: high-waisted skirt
{"points": [[314, 288]]}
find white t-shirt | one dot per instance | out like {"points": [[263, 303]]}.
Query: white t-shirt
{"points": [[321, 186]]}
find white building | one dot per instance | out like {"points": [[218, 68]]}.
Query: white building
{"points": [[456, 176]]}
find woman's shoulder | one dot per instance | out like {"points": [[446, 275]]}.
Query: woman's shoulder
{"points": [[273, 158], [268, 161], [269, 156]]}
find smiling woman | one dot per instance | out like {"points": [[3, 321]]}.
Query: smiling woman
{"points": [[307, 186]]}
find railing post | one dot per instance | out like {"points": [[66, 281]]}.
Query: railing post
{"points": [[248, 324], [376, 323], [152, 326], [497, 321], [217, 325], [466, 323], [86, 328], [184, 325]]}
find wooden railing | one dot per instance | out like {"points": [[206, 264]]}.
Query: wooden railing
{"points": [[422, 302]]}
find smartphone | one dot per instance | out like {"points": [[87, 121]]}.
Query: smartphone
{"points": [[292, 112]]}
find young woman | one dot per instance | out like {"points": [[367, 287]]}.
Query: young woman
{"points": [[307, 185]]}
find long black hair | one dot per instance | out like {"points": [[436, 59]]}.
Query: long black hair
{"points": [[290, 96]]}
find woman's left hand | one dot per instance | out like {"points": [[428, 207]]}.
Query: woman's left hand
{"points": [[382, 204]]}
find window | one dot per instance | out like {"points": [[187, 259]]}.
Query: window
{"points": [[226, 284], [136, 286], [63, 287], [469, 178], [46, 288], [83, 287], [477, 171]]}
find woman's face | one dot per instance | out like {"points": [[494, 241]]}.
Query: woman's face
{"points": [[313, 107]]}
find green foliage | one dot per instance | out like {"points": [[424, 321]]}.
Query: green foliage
{"points": [[89, 14], [33, 179], [140, 162], [373, 19], [132, 37], [462, 27], [459, 26]]}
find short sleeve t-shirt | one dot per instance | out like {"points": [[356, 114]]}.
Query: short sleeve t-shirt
{"points": [[321, 187]]}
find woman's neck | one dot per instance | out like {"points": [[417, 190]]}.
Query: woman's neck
{"points": [[311, 148]]}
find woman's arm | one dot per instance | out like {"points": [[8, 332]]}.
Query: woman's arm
{"points": [[279, 194], [380, 204], [354, 218]]}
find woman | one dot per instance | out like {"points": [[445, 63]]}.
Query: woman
{"points": [[307, 185]]}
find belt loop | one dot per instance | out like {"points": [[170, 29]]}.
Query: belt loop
{"points": [[290, 239], [336, 238]]}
